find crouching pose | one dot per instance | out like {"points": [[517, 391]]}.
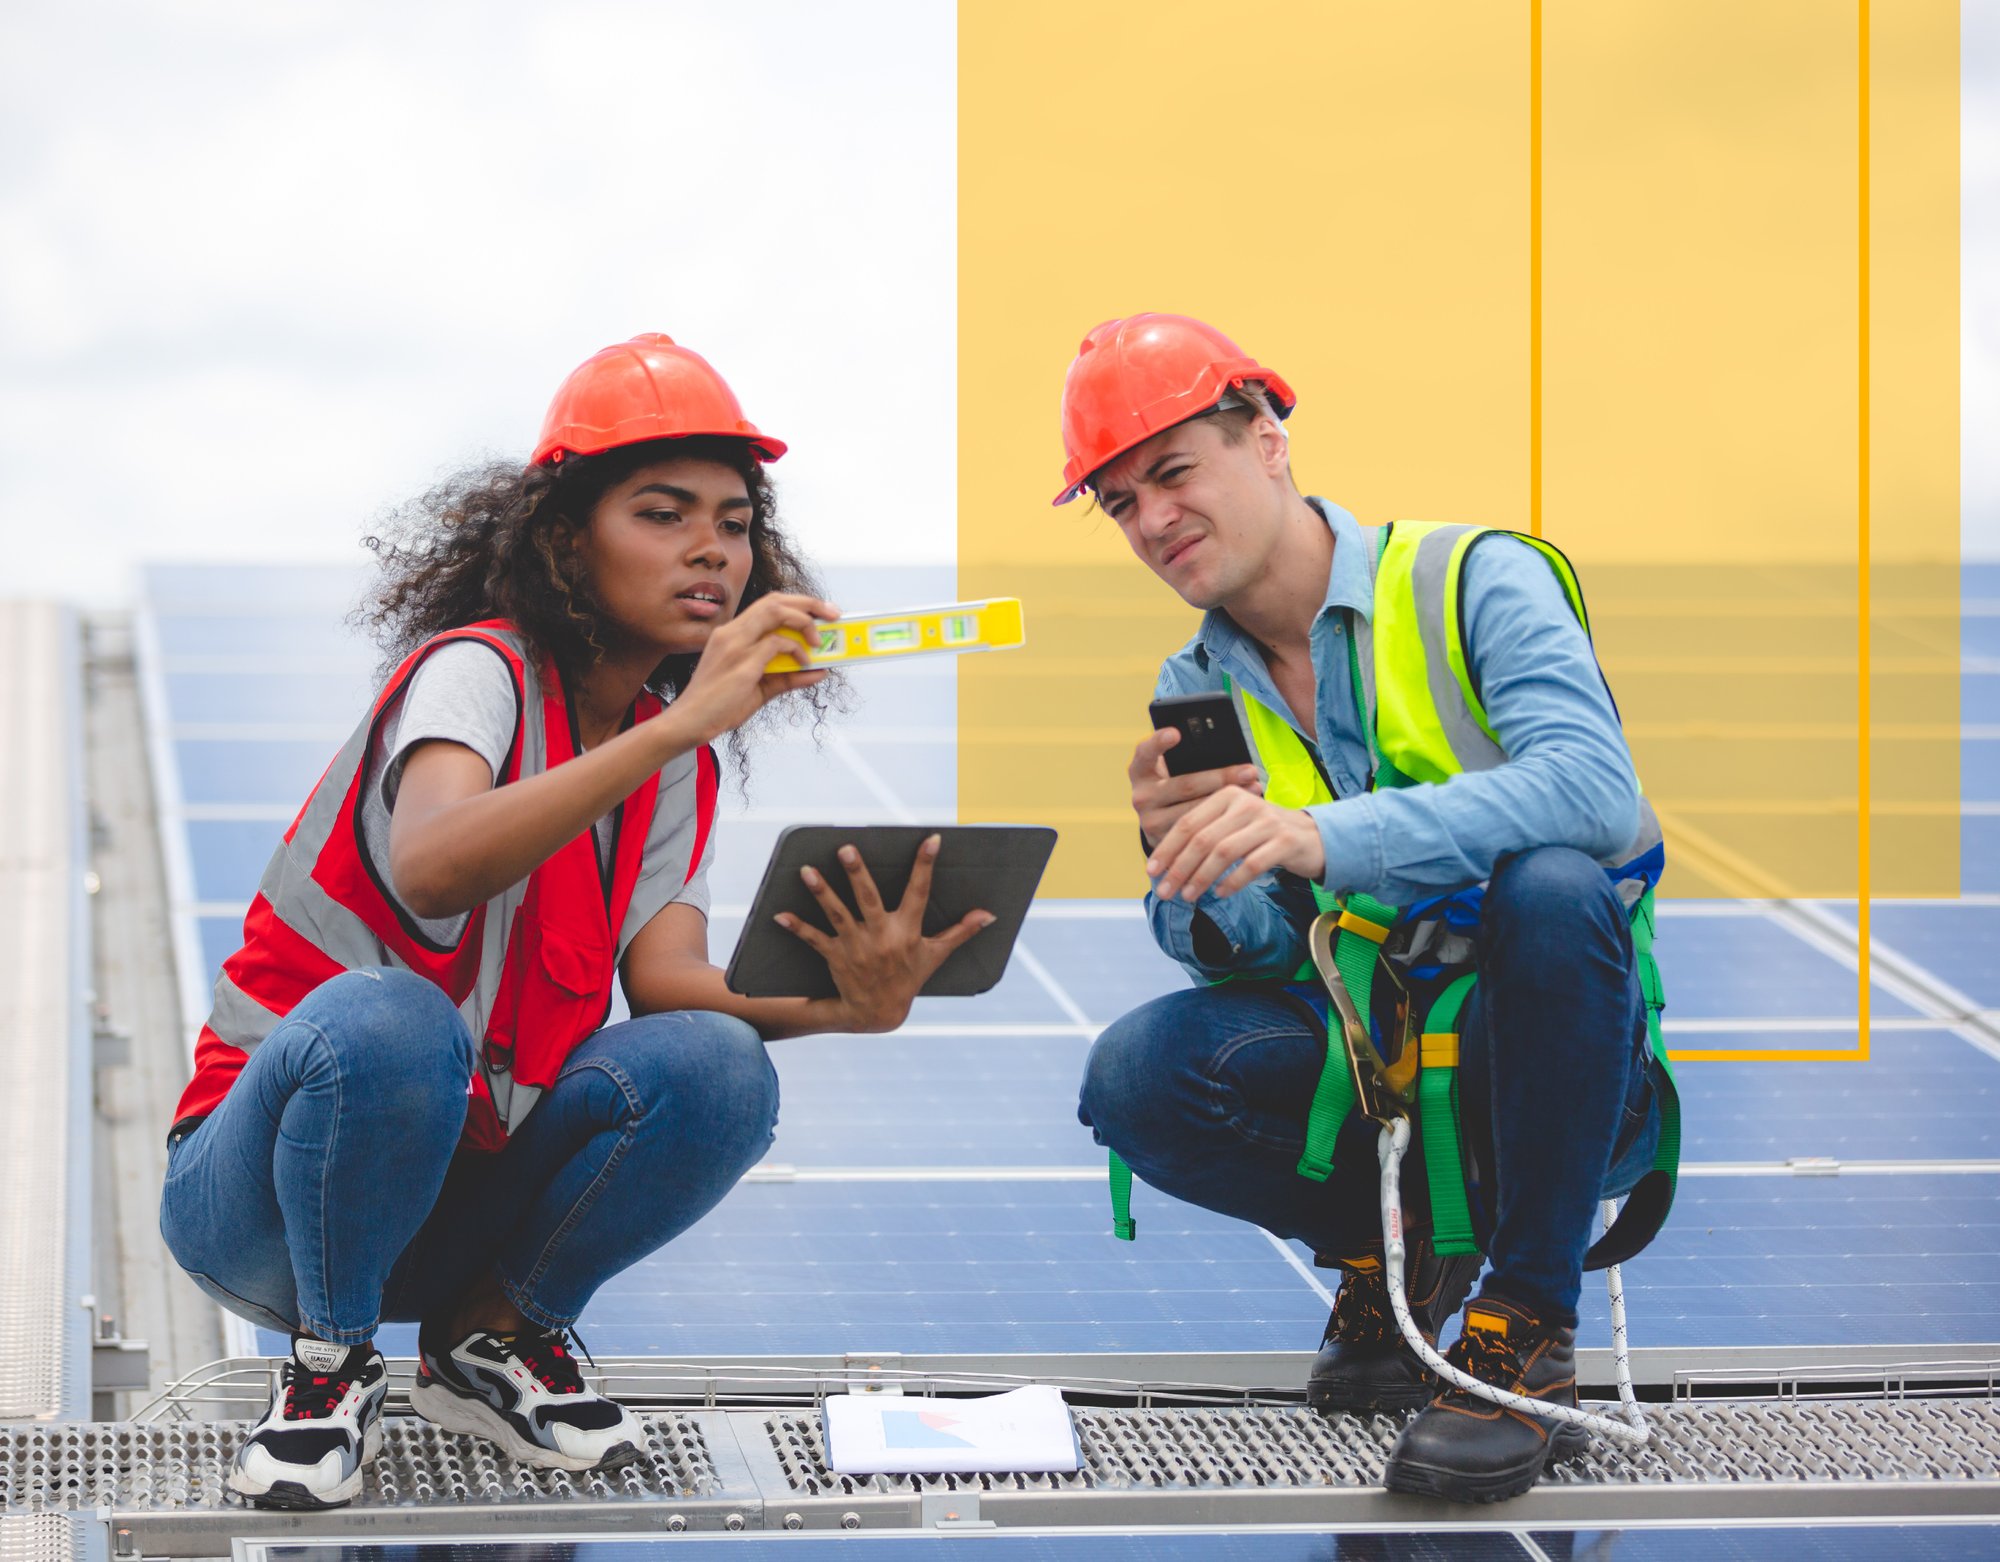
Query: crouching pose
{"points": [[406, 1103], [1444, 772]]}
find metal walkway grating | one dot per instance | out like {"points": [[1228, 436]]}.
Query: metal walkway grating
{"points": [[1730, 1442], [179, 1467], [1710, 1461]]}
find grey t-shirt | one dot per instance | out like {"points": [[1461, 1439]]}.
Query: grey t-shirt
{"points": [[464, 693]]}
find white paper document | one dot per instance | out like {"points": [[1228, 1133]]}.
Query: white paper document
{"points": [[1027, 1429]]}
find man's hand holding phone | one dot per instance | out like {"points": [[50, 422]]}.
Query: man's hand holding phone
{"points": [[1198, 824], [1160, 799]]}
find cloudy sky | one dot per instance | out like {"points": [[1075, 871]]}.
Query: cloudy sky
{"points": [[266, 268]]}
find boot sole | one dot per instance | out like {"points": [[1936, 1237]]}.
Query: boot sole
{"points": [[1346, 1399], [1423, 1480]]}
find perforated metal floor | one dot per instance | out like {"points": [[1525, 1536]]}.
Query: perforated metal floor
{"points": [[1874, 1457]]}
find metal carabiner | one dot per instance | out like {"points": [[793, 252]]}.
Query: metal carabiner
{"points": [[1379, 1089]]}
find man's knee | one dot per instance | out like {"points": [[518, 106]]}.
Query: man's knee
{"points": [[1125, 1079], [1551, 890]]}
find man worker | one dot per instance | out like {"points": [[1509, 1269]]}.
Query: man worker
{"points": [[1446, 763]]}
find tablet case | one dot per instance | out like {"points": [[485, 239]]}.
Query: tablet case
{"points": [[991, 867]]}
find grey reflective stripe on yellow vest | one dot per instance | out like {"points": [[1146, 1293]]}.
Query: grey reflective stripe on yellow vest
{"points": [[1425, 724], [302, 904]]}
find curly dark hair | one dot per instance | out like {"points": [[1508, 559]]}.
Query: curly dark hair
{"points": [[481, 544]]}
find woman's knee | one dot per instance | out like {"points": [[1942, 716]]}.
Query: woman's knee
{"points": [[712, 1064], [394, 1027]]}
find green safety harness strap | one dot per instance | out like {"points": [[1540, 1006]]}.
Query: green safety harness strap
{"points": [[1357, 946], [1437, 1116], [1123, 1226], [1647, 1205]]}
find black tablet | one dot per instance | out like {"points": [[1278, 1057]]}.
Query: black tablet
{"points": [[980, 867]]}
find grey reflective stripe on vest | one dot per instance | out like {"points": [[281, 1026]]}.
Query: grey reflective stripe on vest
{"points": [[298, 900], [1470, 745], [1431, 942], [238, 1018]]}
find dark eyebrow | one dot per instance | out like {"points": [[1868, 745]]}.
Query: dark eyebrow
{"points": [[689, 496], [1173, 453]]}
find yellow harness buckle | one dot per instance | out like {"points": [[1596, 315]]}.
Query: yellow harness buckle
{"points": [[1374, 932]]}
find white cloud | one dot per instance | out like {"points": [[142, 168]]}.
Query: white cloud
{"points": [[264, 270]]}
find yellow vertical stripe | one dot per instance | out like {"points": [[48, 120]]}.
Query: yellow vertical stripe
{"points": [[1535, 267], [1864, 635]]}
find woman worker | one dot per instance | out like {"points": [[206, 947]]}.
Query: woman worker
{"points": [[404, 1106]]}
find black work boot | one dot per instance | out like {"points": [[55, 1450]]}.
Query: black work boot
{"points": [[1363, 1362], [1471, 1450]]}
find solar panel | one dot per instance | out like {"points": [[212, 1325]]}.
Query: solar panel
{"points": [[844, 1242]]}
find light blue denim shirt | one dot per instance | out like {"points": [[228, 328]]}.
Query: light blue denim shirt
{"points": [[1569, 779]]}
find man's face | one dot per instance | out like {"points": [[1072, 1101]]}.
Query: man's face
{"points": [[1202, 513]]}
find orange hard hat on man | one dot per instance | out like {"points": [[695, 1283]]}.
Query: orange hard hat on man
{"points": [[1137, 377], [647, 388]]}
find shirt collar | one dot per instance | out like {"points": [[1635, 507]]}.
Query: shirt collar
{"points": [[1349, 584]]}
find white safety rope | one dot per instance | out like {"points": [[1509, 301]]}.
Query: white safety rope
{"points": [[1632, 1431]]}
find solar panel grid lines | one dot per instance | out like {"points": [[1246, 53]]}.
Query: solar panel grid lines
{"points": [[932, 1190]]}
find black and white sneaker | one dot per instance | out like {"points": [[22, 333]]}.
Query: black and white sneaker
{"points": [[324, 1424], [525, 1393]]}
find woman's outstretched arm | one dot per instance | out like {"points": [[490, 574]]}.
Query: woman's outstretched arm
{"points": [[456, 840]]}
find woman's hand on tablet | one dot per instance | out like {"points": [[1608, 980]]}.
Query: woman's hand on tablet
{"points": [[881, 958], [730, 685]]}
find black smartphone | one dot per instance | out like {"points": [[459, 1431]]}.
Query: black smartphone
{"points": [[1214, 735]]}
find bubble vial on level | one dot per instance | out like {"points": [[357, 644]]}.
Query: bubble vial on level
{"points": [[891, 637]]}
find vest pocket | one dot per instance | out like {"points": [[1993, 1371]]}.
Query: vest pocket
{"points": [[559, 1001]]}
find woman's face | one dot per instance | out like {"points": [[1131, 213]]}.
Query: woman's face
{"points": [[668, 552]]}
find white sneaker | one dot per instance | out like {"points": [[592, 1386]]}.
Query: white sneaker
{"points": [[324, 1423], [525, 1393]]}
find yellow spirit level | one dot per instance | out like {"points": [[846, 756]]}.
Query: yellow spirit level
{"points": [[992, 625]]}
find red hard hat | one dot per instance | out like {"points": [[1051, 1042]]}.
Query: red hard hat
{"points": [[1134, 378], [647, 388]]}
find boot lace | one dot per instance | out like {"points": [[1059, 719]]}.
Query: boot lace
{"points": [[1488, 1356], [1361, 1314]]}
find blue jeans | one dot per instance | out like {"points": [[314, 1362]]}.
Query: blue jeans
{"points": [[1205, 1092], [328, 1192]]}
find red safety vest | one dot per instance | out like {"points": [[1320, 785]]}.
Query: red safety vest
{"points": [[533, 968]]}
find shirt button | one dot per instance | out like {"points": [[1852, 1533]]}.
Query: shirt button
{"points": [[1339, 628]]}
